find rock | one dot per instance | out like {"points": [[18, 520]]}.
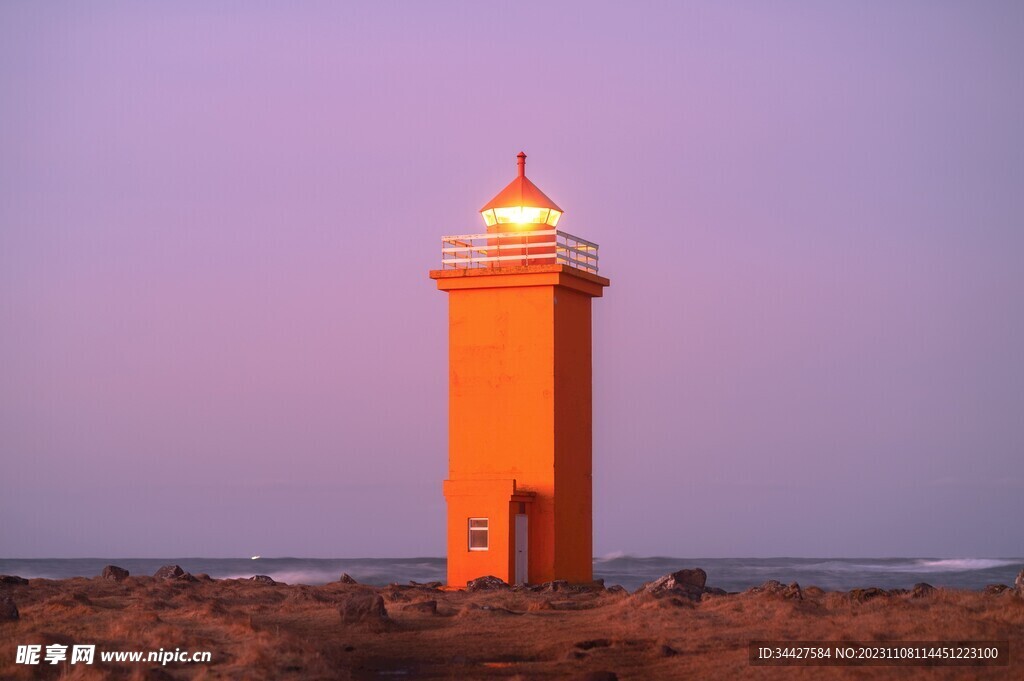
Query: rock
{"points": [[865, 595], [686, 583], [169, 572], [553, 586], [616, 589], [173, 573], [772, 586], [1018, 583], [114, 573], [12, 579], [8, 610], [995, 589], [203, 577], [263, 579], [711, 593], [345, 579], [424, 585], [921, 589], [695, 578], [363, 608], [488, 583], [793, 592]]}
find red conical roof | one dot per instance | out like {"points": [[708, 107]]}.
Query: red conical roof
{"points": [[521, 192]]}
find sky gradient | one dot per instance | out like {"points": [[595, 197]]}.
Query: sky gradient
{"points": [[218, 338]]}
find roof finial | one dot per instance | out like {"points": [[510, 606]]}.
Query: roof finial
{"points": [[522, 163]]}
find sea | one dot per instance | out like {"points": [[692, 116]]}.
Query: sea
{"points": [[731, 574]]}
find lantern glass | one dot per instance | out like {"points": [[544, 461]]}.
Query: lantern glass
{"points": [[521, 215]]}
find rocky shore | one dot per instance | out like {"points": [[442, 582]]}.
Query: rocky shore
{"points": [[674, 627]]}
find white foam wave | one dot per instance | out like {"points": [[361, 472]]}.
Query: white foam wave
{"points": [[611, 556], [958, 565]]}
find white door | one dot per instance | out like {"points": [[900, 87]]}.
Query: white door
{"points": [[522, 542]]}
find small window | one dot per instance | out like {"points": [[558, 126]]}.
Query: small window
{"points": [[478, 534]]}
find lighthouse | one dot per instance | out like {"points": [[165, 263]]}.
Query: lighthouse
{"points": [[519, 489]]}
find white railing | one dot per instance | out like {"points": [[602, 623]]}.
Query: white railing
{"points": [[506, 249]]}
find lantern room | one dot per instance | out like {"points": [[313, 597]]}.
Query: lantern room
{"points": [[521, 204]]}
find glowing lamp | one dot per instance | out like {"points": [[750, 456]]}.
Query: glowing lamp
{"points": [[521, 205]]}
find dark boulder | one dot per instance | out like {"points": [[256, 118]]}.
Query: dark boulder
{"points": [[12, 579], [922, 589], [363, 608], [263, 579], [996, 589], [712, 592], [772, 587], [695, 578], [686, 583], [488, 583], [114, 573], [8, 610], [169, 572], [865, 595], [346, 579]]}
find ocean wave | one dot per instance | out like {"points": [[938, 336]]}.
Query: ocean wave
{"points": [[906, 565], [958, 565], [915, 565], [614, 555]]}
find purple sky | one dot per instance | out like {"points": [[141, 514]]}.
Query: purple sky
{"points": [[218, 338]]}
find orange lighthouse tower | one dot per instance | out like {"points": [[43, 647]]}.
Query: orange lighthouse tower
{"points": [[519, 392]]}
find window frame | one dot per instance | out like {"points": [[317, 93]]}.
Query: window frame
{"points": [[485, 530]]}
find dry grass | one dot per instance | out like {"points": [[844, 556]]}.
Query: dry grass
{"points": [[258, 631]]}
